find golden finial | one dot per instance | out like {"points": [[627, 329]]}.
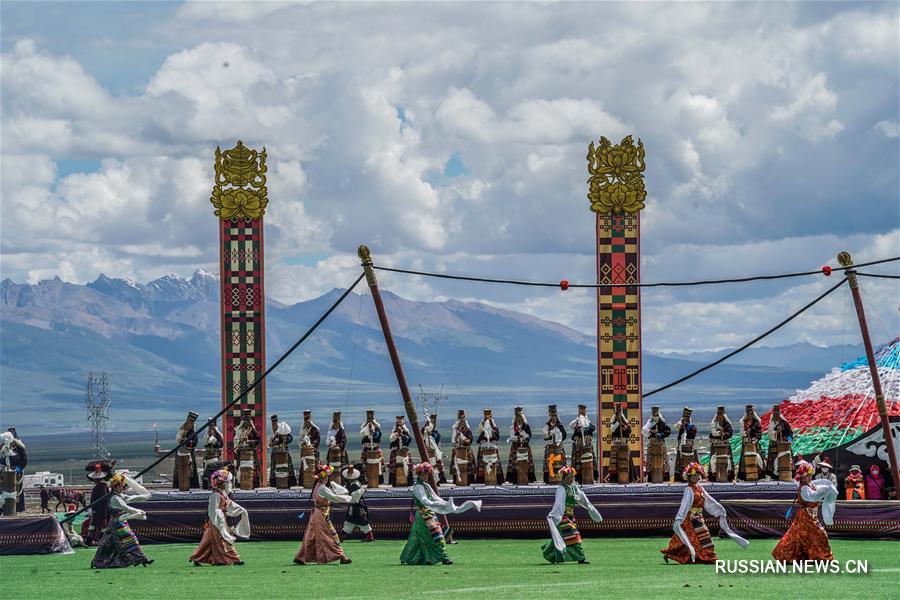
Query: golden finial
{"points": [[240, 190], [617, 181]]}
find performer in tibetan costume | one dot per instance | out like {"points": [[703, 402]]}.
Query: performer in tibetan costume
{"points": [[399, 463], [692, 542], [98, 472], [583, 459], [806, 539], [309, 439], [462, 464], [751, 464], [685, 452], [426, 544], [358, 512], [336, 443], [565, 542], [372, 457], [281, 473], [779, 461], [118, 545], [490, 469], [621, 468], [246, 442], [212, 452], [655, 432], [321, 543], [554, 452], [721, 463], [13, 459], [432, 437], [217, 545], [185, 459], [520, 468]]}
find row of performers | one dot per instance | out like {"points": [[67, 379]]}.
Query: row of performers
{"points": [[463, 469], [751, 465], [805, 539]]}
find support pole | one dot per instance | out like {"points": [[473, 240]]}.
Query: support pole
{"points": [[847, 261], [366, 258]]}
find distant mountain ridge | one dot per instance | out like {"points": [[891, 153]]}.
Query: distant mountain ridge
{"points": [[160, 344]]}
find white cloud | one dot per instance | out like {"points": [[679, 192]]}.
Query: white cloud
{"points": [[748, 114], [812, 102], [890, 129]]}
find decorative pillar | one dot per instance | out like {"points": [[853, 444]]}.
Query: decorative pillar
{"points": [[616, 192], [240, 198]]}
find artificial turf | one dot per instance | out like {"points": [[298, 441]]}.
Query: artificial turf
{"points": [[492, 569]]}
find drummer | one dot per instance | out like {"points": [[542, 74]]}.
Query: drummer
{"points": [[720, 433]]}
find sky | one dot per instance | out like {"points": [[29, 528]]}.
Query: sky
{"points": [[452, 137]]}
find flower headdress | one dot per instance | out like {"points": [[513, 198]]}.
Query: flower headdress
{"points": [[323, 472], [803, 469], [117, 479], [694, 468], [565, 472], [423, 468], [220, 476]]}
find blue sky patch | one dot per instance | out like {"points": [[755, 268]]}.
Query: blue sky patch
{"points": [[455, 167]]}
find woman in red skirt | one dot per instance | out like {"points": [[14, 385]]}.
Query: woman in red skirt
{"points": [[692, 542], [806, 538], [217, 545]]}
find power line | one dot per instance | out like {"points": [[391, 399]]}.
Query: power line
{"points": [[824, 270], [748, 344], [240, 396]]}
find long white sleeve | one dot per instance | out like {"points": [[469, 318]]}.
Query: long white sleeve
{"points": [[334, 496], [233, 509], [135, 491], [825, 494], [555, 516], [431, 501], [645, 430], [119, 504], [582, 500], [217, 517], [717, 510], [687, 500]]}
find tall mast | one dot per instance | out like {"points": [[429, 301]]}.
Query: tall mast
{"points": [[847, 261], [366, 258]]}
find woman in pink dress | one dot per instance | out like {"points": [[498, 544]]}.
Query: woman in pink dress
{"points": [[217, 545], [320, 540]]}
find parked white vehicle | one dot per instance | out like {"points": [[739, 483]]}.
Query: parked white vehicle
{"points": [[45, 478]]}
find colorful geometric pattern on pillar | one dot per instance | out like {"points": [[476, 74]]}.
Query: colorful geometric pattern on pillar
{"points": [[239, 196], [616, 192]]}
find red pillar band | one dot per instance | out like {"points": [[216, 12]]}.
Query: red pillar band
{"points": [[240, 198], [616, 192]]}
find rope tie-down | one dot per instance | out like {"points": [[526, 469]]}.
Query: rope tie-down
{"points": [[250, 388]]}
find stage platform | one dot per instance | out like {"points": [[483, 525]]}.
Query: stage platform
{"points": [[755, 510]]}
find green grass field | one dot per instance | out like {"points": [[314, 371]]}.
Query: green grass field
{"points": [[621, 568]]}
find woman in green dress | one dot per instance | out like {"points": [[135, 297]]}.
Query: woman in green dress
{"points": [[426, 545], [565, 545]]}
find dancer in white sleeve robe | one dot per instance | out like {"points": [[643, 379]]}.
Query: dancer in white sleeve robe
{"points": [[217, 545], [118, 545], [321, 543], [565, 545], [426, 544], [806, 538], [692, 542]]}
